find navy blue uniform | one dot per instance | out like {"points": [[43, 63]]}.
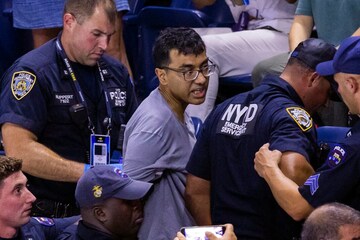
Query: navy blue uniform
{"points": [[83, 232], [224, 155], [37, 93], [338, 180], [44, 228]]}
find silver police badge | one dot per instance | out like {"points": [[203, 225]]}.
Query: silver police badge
{"points": [[22, 83], [301, 117]]}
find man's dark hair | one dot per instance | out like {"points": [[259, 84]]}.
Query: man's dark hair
{"points": [[83, 9], [8, 166], [185, 40], [325, 221]]}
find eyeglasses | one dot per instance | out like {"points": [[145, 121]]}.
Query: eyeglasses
{"points": [[191, 75]]}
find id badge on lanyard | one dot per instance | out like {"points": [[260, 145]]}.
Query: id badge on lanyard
{"points": [[99, 149]]}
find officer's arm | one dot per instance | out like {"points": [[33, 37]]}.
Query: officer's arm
{"points": [[300, 30], [197, 199], [38, 160], [284, 179], [202, 3]]}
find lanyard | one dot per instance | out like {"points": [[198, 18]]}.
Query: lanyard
{"points": [[80, 93]]}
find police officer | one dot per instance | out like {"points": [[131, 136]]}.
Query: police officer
{"points": [[221, 167], [338, 179], [16, 201], [63, 105], [111, 205]]}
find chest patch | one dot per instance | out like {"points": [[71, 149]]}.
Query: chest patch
{"points": [[118, 97], [45, 221], [336, 156], [238, 120], [301, 117], [21, 84], [64, 99]]}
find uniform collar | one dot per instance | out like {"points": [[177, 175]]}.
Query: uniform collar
{"points": [[87, 232], [355, 129], [284, 86]]}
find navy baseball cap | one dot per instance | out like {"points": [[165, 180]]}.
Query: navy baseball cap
{"points": [[346, 60], [103, 182], [313, 51]]}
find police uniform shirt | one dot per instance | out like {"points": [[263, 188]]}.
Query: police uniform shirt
{"points": [[224, 155], [40, 228], [338, 180], [83, 232], [37, 93]]}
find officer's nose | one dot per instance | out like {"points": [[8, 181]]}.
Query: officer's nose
{"points": [[30, 197], [103, 42]]}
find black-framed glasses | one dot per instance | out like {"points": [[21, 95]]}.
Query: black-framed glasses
{"points": [[191, 75]]}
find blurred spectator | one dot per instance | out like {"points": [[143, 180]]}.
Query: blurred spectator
{"points": [[48, 115], [222, 185], [111, 205], [159, 137], [236, 53], [332, 221]]}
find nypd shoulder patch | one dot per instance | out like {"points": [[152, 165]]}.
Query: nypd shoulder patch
{"points": [[301, 117], [336, 156], [21, 84], [45, 221]]}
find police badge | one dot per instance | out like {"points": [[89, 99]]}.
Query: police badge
{"points": [[21, 84], [301, 117]]}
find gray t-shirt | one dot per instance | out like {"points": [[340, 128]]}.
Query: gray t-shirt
{"points": [[157, 147]]}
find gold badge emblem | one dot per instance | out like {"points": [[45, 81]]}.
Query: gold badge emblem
{"points": [[21, 84], [97, 191], [301, 117]]}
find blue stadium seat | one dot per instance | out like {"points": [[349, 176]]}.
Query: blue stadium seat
{"points": [[331, 134], [13, 42]]}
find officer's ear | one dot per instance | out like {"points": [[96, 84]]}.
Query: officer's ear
{"points": [[314, 79], [69, 20], [99, 214]]}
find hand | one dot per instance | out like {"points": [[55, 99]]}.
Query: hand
{"points": [[179, 236], [266, 159], [228, 235]]}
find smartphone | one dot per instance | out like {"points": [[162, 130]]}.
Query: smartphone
{"points": [[198, 232]]}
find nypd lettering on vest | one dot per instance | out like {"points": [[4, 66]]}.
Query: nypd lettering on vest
{"points": [[21, 84], [118, 97], [238, 120]]}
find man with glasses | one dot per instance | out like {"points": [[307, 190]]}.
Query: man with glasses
{"points": [[160, 135], [222, 185]]}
